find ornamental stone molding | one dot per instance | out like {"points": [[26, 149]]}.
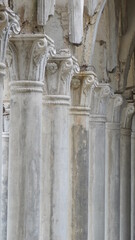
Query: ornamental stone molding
{"points": [[59, 72], [127, 114], [9, 23], [82, 87], [32, 51]]}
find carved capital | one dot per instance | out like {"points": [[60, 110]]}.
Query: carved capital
{"points": [[59, 72], [9, 23], [127, 114], [82, 87], [114, 107], [101, 95], [32, 52]]}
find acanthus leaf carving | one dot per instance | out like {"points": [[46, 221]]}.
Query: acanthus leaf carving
{"points": [[33, 50], [82, 87], [59, 72], [102, 92]]}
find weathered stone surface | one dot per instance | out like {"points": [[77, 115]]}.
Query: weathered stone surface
{"points": [[68, 181], [55, 175]]}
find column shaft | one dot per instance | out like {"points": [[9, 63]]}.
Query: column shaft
{"points": [[133, 185], [4, 182], [79, 165], [2, 224], [97, 178], [55, 169], [112, 181], [24, 160], [125, 184], [4, 190]]}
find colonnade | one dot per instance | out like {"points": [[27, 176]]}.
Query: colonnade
{"points": [[67, 152]]}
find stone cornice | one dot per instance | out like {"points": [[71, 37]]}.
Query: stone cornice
{"points": [[32, 51], [59, 72]]}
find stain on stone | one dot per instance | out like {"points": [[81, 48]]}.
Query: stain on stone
{"points": [[80, 163]]}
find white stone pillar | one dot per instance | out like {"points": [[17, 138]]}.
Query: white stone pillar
{"points": [[81, 92], [125, 172], [55, 163], [112, 169], [8, 23], [97, 163], [133, 180], [5, 162], [26, 87]]}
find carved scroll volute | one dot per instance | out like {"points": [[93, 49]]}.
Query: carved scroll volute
{"points": [[100, 99], [59, 72], [82, 87], [9, 24], [33, 51], [114, 108], [127, 114]]}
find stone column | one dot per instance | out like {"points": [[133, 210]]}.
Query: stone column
{"points": [[133, 180], [82, 87], [97, 163], [112, 169], [8, 24], [125, 172], [5, 162], [30, 51], [55, 163]]}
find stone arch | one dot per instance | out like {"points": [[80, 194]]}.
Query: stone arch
{"points": [[127, 47]]}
